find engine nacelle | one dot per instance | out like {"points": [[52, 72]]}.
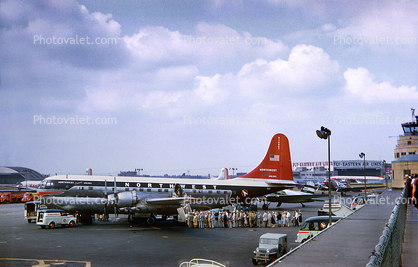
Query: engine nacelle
{"points": [[126, 199]]}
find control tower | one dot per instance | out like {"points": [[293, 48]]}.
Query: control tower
{"points": [[406, 156]]}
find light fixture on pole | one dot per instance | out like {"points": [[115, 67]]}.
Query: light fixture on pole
{"points": [[325, 133], [386, 178], [363, 156]]}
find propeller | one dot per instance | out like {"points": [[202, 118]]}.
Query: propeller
{"points": [[105, 205], [115, 208]]}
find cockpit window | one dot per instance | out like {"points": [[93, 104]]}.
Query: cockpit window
{"points": [[42, 184]]}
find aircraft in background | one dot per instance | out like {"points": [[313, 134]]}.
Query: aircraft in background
{"points": [[307, 194], [27, 186], [343, 188], [223, 175], [148, 196]]}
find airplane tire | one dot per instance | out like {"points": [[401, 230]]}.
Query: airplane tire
{"points": [[151, 220], [51, 225]]}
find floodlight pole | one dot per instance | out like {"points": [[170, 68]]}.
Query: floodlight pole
{"points": [[365, 180], [386, 178], [325, 133], [329, 179], [362, 155]]}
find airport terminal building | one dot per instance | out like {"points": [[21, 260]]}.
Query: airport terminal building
{"points": [[319, 170]]}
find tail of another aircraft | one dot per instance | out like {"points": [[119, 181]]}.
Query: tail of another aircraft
{"points": [[277, 164], [223, 175]]}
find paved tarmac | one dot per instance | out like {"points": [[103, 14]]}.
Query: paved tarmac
{"points": [[349, 242], [123, 244]]}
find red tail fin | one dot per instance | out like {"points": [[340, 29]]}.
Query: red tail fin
{"points": [[276, 164]]}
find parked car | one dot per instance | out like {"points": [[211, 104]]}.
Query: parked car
{"points": [[271, 247]]}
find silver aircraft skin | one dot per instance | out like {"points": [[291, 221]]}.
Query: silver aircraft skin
{"points": [[146, 196], [307, 194]]}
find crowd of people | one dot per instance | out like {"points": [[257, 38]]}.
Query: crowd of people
{"points": [[411, 183], [235, 219]]}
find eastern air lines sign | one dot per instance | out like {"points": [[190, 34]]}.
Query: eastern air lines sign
{"points": [[357, 164]]}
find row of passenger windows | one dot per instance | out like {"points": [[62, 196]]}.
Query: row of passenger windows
{"points": [[166, 190]]}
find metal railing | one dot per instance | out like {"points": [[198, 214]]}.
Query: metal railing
{"points": [[389, 249]]}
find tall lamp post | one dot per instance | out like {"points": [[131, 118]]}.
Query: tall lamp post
{"points": [[325, 133], [233, 169], [139, 171], [386, 178], [363, 156]]}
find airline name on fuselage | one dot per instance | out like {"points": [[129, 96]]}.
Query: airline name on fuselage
{"points": [[161, 185], [145, 184]]}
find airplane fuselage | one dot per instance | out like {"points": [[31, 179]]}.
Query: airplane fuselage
{"points": [[93, 194]]}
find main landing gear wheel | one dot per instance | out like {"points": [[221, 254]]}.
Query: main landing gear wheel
{"points": [[151, 220]]}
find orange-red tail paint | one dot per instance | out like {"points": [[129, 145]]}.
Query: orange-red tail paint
{"points": [[277, 164]]}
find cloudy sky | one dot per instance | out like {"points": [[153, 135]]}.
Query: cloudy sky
{"points": [[172, 86]]}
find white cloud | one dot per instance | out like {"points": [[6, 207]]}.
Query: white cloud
{"points": [[360, 83], [382, 27], [209, 44], [209, 90], [306, 69]]}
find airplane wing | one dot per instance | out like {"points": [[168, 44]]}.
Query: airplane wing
{"points": [[358, 189], [176, 201], [307, 194], [292, 198]]}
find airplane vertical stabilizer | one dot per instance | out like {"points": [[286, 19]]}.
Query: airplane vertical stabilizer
{"points": [[224, 174], [277, 164]]}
